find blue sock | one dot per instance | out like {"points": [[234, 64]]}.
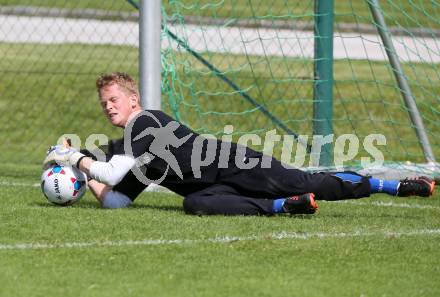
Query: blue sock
{"points": [[384, 186], [377, 185], [277, 206]]}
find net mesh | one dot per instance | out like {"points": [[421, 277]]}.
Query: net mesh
{"points": [[267, 49]]}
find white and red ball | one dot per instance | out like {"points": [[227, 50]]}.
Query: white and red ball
{"points": [[63, 185]]}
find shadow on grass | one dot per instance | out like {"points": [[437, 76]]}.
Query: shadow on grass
{"points": [[157, 207], [95, 205], [348, 215], [179, 209]]}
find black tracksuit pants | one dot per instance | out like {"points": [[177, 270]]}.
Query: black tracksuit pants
{"points": [[251, 192]]}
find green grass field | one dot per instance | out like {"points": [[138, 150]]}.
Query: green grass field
{"points": [[371, 247]]}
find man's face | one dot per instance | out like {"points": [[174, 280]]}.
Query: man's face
{"points": [[117, 105]]}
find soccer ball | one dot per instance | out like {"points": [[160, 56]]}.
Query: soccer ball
{"points": [[63, 185]]}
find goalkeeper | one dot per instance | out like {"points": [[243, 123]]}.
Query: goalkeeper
{"points": [[180, 159]]}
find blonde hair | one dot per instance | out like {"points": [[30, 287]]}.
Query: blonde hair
{"points": [[123, 80]]}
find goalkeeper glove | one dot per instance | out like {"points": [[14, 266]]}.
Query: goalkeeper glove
{"points": [[62, 155]]}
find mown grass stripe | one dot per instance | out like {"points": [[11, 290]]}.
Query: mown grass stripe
{"points": [[388, 204], [18, 184], [226, 239]]}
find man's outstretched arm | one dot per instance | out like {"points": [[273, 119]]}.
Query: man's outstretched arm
{"points": [[109, 173]]}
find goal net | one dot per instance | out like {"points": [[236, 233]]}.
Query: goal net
{"points": [[251, 64]]}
